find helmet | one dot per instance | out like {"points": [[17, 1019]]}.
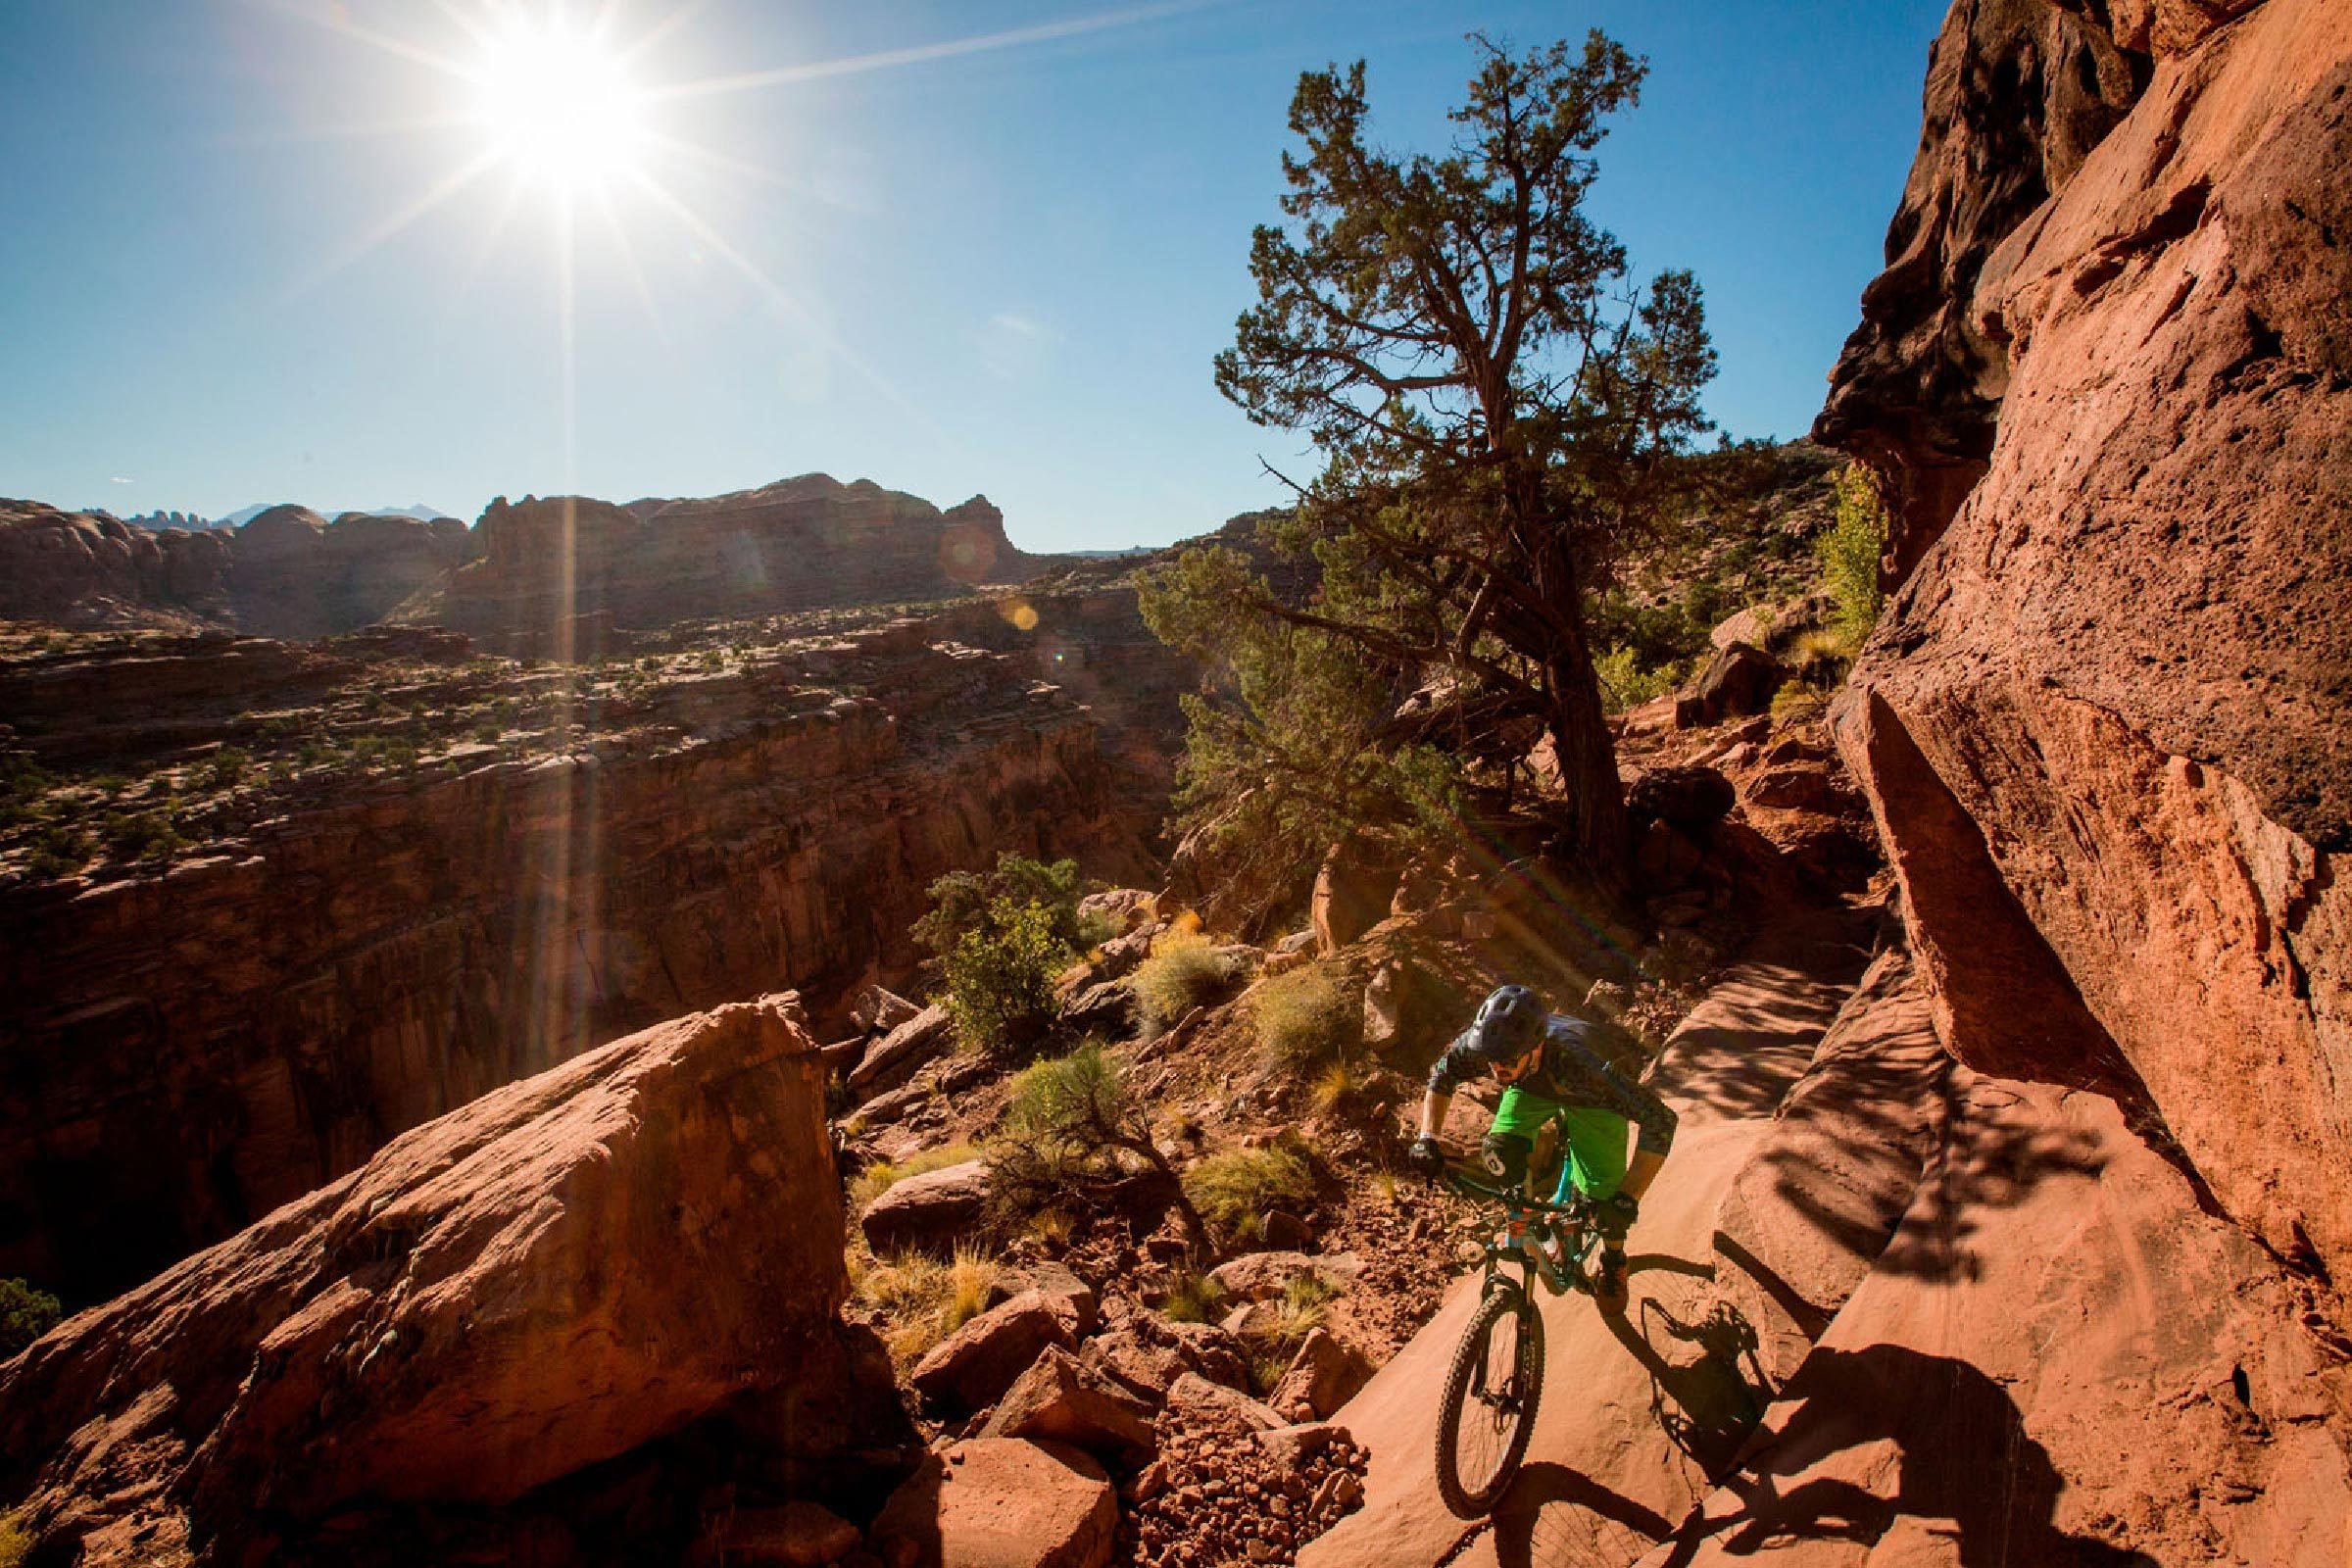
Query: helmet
{"points": [[1510, 1024]]}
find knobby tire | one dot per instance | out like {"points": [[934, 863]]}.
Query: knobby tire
{"points": [[1505, 1306]]}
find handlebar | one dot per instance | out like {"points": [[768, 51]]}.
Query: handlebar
{"points": [[1458, 1178]]}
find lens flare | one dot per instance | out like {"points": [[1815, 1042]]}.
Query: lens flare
{"points": [[558, 104]]}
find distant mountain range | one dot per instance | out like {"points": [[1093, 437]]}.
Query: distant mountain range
{"points": [[245, 515]]}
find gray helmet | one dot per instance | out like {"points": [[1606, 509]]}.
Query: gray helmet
{"points": [[1510, 1023]]}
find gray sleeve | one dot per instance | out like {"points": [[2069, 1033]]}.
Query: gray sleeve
{"points": [[1456, 1067], [1646, 1110]]}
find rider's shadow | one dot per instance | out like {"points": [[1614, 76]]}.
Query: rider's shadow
{"points": [[1707, 1387]]}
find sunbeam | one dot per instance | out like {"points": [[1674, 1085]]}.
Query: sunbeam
{"points": [[448, 187], [919, 54]]}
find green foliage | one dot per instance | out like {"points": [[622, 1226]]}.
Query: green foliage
{"points": [[1234, 1190], [1494, 405], [25, 1314], [1850, 551], [1183, 972], [149, 835], [227, 768], [1305, 1019], [1000, 976], [1625, 682], [15, 1542], [1294, 750], [1194, 1298], [960, 901]]}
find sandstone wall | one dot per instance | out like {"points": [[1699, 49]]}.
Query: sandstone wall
{"points": [[2107, 718], [181, 1052]]}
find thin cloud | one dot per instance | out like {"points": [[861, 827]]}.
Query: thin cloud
{"points": [[115, 479]]}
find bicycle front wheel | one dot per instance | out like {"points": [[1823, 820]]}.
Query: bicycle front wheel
{"points": [[1489, 1409]]}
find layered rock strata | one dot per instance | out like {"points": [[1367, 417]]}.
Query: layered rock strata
{"points": [[2106, 723], [786, 546], [564, 1270], [183, 1048]]}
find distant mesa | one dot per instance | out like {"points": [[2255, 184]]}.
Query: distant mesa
{"points": [[281, 569]]}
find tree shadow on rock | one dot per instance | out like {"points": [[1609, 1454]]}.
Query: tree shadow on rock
{"points": [[1931, 1439]]}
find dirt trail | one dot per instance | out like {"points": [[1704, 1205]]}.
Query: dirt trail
{"points": [[1639, 1405]]}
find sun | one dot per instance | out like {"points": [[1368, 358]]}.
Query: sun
{"points": [[558, 104]]}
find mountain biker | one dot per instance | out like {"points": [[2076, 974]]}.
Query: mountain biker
{"points": [[1551, 1071]]}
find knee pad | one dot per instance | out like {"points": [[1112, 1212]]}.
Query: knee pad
{"points": [[1505, 1157]]}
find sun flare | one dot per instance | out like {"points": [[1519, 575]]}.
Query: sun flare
{"points": [[559, 104]]}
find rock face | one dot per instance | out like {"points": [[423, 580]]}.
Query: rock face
{"points": [[187, 1049], [288, 572], [562, 1271], [785, 546], [2106, 723]]}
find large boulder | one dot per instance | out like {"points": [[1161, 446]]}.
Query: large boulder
{"points": [[1057, 1398], [2105, 723], [971, 1368], [1323, 1376], [928, 1212], [1002, 1502], [567, 1268], [1354, 888], [897, 1056]]}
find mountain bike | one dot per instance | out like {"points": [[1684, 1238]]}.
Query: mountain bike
{"points": [[1497, 1377]]}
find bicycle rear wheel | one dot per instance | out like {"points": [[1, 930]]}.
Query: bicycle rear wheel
{"points": [[1488, 1409]]}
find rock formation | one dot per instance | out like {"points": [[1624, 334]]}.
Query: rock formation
{"points": [[2106, 723], [352, 951], [786, 546], [560, 1272]]}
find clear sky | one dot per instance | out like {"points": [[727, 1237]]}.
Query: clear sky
{"points": [[985, 247]]}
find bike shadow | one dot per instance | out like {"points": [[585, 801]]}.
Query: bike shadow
{"points": [[1554, 1516]]}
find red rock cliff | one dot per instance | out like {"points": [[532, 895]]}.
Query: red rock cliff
{"points": [[2106, 721]]}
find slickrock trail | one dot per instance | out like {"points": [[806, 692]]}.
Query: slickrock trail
{"points": [[1635, 1404], [1887, 1310]]}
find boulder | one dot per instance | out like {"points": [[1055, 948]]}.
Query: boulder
{"points": [[1146, 1353], [1738, 680], [1069, 1295], [1292, 1446], [1748, 627], [971, 1368], [878, 1011], [1055, 1398], [1353, 889], [798, 1535], [566, 1268], [1323, 1376], [1690, 798], [1195, 1395], [1002, 1502], [1106, 1009], [928, 1212], [894, 1057]]}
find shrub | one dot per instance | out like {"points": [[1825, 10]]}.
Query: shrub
{"points": [[1183, 972], [1627, 682], [884, 1174], [1305, 1019], [1795, 703], [227, 768], [1849, 551], [1194, 1298], [25, 1314], [1234, 1190], [960, 902], [141, 835], [16, 1542], [1000, 978], [920, 1298], [1067, 1124]]}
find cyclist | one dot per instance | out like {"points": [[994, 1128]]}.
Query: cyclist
{"points": [[1552, 1072]]}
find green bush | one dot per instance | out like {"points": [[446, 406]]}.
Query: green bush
{"points": [[1305, 1019], [960, 901], [1000, 978], [1849, 551], [16, 1542], [1072, 1130], [1183, 972], [1194, 1298], [1234, 1190], [227, 768], [141, 835], [25, 1314], [1625, 682]]}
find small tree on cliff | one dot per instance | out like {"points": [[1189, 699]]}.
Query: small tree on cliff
{"points": [[1498, 409]]}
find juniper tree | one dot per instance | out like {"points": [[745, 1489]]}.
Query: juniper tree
{"points": [[1496, 407]]}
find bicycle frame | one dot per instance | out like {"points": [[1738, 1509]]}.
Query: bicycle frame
{"points": [[1574, 1218]]}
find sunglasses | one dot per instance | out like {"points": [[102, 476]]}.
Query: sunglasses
{"points": [[1519, 1067]]}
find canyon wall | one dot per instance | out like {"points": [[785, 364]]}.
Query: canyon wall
{"points": [[288, 572], [182, 1049], [2106, 720]]}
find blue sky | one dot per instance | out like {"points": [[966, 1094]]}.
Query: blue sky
{"points": [[996, 269]]}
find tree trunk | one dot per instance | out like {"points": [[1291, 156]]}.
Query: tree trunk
{"points": [[1580, 730]]}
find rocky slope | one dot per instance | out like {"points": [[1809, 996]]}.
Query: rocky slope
{"points": [[2106, 723], [396, 1367], [271, 903]]}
